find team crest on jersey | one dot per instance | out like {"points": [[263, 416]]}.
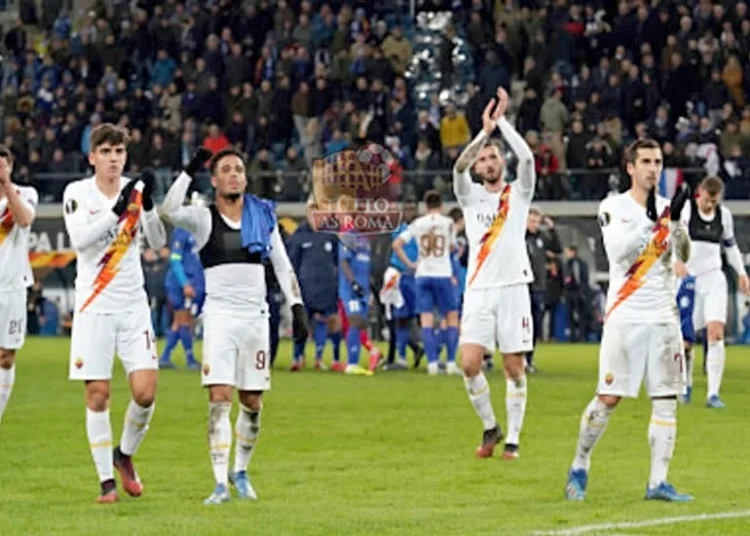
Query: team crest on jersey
{"points": [[206, 369], [609, 378], [78, 363]]}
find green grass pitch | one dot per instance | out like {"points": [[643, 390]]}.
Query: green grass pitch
{"points": [[391, 454]]}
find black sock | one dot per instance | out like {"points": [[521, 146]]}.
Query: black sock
{"points": [[108, 485]]}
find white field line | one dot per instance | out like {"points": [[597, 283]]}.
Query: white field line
{"points": [[585, 529]]}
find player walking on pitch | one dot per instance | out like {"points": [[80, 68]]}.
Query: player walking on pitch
{"points": [[17, 211], [711, 227], [235, 235], [435, 235], [496, 302], [105, 216], [641, 335]]}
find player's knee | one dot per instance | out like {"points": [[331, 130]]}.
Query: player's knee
{"points": [[97, 396], [471, 361], [609, 400], [252, 400], [715, 333], [220, 393], [7, 358], [144, 397], [514, 366]]}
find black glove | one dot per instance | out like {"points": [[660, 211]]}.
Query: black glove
{"points": [[148, 178], [678, 202], [200, 157], [300, 326], [358, 290], [123, 200], [651, 205]]}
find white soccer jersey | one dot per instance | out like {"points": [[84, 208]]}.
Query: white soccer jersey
{"points": [[110, 273], [641, 277], [706, 256], [15, 270], [435, 236], [237, 289], [496, 222]]}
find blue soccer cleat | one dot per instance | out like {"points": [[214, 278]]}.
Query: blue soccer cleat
{"points": [[166, 364], [687, 397], [575, 489], [666, 492], [193, 365], [220, 495], [242, 484], [715, 403]]}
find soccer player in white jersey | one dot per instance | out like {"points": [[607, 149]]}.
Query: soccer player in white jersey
{"points": [[235, 235], [641, 335], [105, 216], [497, 310], [711, 227], [435, 236], [17, 210]]}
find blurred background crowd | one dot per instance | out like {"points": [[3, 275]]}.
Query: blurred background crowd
{"points": [[287, 81]]}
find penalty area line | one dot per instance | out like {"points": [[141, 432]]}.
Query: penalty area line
{"points": [[585, 529]]}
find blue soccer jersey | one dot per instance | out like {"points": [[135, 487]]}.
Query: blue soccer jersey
{"points": [[356, 251], [686, 304], [184, 268]]}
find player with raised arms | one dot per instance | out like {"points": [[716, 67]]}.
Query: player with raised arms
{"points": [[105, 216], [17, 211], [711, 228], [641, 337], [435, 235], [235, 234], [496, 309]]}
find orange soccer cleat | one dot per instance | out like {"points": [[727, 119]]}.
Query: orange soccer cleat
{"points": [[130, 481], [490, 438]]}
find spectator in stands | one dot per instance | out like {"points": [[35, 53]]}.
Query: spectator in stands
{"points": [[34, 309], [454, 129]]}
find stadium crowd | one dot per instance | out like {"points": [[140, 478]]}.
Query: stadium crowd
{"points": [[286, 81]]}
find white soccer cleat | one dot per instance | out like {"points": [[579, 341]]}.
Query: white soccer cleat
{"points": [[451, 369], [433, 369], [220, 495]]}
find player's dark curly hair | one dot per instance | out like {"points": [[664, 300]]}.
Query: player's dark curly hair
{"points": [[223, 153]]}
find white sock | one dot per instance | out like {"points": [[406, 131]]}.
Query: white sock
{"points": [[593, 423], [246, 430], [515, 406], [662, 434], [715, 367], [7, 379], [99, 433], [137, 419], [690, 361], [219, 439], [479, 394]]}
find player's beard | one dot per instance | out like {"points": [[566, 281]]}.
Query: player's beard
{"points": [[233, 197]]}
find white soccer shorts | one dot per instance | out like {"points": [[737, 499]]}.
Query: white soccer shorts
{"points": [[710, 299], [498, 316], [629, 352], [236, 351], [12, 319], [97, 337]]}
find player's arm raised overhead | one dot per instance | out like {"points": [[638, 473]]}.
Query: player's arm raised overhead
{"points": [[623, 237], [461, 175], [84, 229], [526, 172], [153, 228], [197, 220], [21, 206], [678, 232]]}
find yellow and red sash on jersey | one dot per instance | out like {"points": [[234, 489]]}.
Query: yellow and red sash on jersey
{"points": [[110, 261], [494, 230], [6, 225], [655, 248]]}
